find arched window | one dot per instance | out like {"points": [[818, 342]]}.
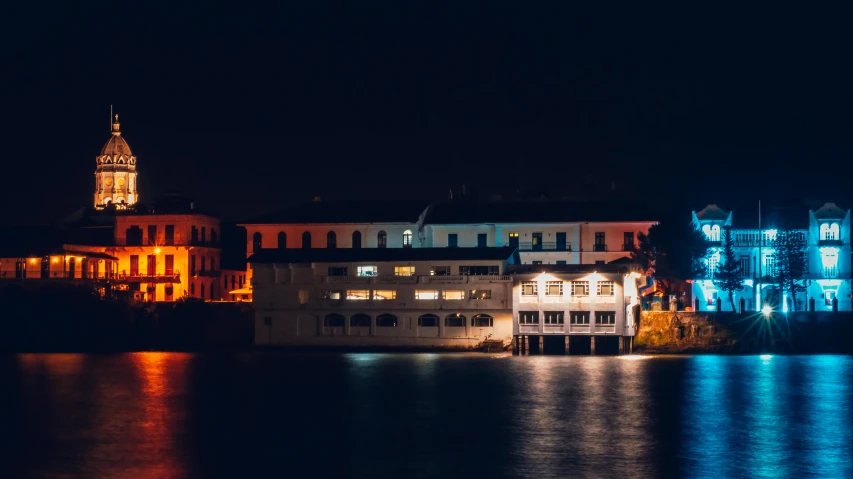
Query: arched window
{"points": [[386, 321], [356, 239], [282, 240], [833, 232], [707, 230], [334, 321], [381, 240], [428, 321], [824, 231], [331, 240], [256, 242], [454, 320], [306, 240], [359, 320], [407, 239], [715, 233], [482, 321]]}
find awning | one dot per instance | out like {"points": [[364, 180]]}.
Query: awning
{"points": [[241, 291]]}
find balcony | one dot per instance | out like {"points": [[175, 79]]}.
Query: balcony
{"points": [[546, 246], [599, 247], [441, 279], [396, 279], [137, 277], [829, 273], [348, 279], [830, 242]]}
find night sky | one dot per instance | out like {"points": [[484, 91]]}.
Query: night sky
{"points": [[248, 109]]}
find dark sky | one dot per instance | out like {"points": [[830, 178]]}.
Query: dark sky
{"points": [[250, 108]]}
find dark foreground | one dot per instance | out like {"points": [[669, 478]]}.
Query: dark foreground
{"points": [[273, 414]]}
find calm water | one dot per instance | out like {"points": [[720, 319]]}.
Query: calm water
{"points": [[165, 415]]}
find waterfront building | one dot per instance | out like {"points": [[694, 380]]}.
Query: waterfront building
{"points": [[418, 297], [826, 231]]}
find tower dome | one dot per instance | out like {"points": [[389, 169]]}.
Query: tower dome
{"points": [[115, 172]]}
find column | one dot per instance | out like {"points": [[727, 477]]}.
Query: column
{"points": [[621, 345], [541, 344], [515, 345], [592, 345], [525, 345], [567, 344]]}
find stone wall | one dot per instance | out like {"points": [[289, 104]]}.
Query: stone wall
{"points": [[682, 332]]}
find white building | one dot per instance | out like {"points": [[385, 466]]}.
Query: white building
{"points": [[415, 297], [827, 234]]}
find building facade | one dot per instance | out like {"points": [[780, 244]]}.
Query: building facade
{"points": [[827, 272], [420, 297]]}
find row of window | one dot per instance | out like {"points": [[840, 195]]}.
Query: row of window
{"points": [[369, 270], [579, 288], [331, 240], [133, 236], [361, 320], [382, 294], [577, 318]]}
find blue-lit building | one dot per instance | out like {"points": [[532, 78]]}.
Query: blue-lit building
{"points": [[827, 233]]}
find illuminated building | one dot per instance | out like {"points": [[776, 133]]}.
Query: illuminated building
{"points": [[418, 297], [827, 234], [115, 172]]}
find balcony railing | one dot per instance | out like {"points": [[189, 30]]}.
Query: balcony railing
{"points": [[599, 247], [396, 279], [546, 246], [139, 277], [829, 242], [385, 279]]}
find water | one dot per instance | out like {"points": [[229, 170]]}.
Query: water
{"points": [[166, 415]]}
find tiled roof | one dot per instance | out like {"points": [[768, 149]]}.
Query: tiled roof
{"points": [[829, 211], [352, 255], [464, 212], [356, 211], [116, 146], [712, 212]]}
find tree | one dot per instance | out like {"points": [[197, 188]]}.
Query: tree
{"points": [[729, 273], [672, 251], [791, 262]]}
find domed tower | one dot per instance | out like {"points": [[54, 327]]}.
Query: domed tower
{"points": [[115, 173]]}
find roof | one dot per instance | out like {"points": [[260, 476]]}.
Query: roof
{"points": [[712, 212], [116, 146], [829, 211], [356, 211], [463, 212], [90, 254], [360, 255]]}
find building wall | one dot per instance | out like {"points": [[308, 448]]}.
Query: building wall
{"points": [[343, 233]]}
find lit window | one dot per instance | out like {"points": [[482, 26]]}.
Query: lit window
{"points": [[331, 294], [358, 294], [404, 270], [528, 317], [384, 294], [407, 239], [579, 318], [426, 294], [580, 288], [453, 294], [513, 240], [529, 288], [303, 296], [480, 294], [381, 240], [605, 318], [604, 288], [367, 270], [554, 317], [554, 288]]}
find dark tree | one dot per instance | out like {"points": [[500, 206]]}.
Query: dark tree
{"points": [[672, 252], [791, 262], [729, 273]]}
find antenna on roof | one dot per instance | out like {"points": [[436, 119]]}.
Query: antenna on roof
{"points": [[111, 117]]}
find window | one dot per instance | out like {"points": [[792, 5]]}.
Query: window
{"points": [[331, 294], [561, 242], [381, 240], [337, 271], [513, 240], [213, 263], [381, 294], [579, 318], [537, 262], [529, 288], [428, 321], [480, 294], [600, 244], [554, 317], [628, 241], [536, 244], [203, 264], [553, 288], [359, 320], [580, 288], [306, 240], [453, 294], [282, 240], [192, 289], [134, 265], [152, 235], [713, 263], [560, 261], [479, 270], [303, 296], [440, 271], [152, 265], [829, 232], [482, 321], [133, 236], [170, 235], [426, 294], [770, 265], [213, 237], [356, 239], [386, 321], [404, 270], [828, 297], [202, 290], [528, 317], [169, 290], [334, 321], [170, 264], [452, 240], [358, 294], [203, 234], [744, 265], [482, 240], [192, 265], [604, 288], [367, 270], [454, 321], [331, 240], [407, 239], [194, 236], [605, 318], [256, 242]]}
